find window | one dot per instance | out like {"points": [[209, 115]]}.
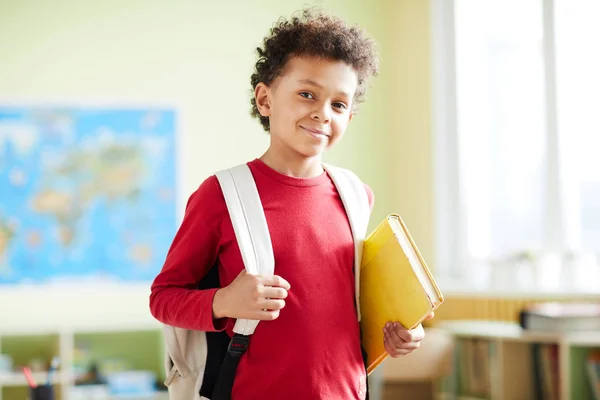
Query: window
{"points": [[517, 88], [578, 88]]}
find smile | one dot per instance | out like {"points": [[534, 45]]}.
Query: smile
{"points": [[315, 133]]}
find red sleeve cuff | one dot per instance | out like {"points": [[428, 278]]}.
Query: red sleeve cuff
{"points": [[207, 320]]}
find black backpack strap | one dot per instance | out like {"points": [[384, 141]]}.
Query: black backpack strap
{"points": [[364, 357], [237, 347]]}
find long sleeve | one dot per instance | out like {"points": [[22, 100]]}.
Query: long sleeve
{"points": [[174, 299]]}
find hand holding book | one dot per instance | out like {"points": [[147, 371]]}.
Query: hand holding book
{"points": [[399, 341]]}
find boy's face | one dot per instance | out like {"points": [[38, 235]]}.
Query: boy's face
{"points": [[309, 105]]}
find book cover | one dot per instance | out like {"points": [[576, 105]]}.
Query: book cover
{"points": [[395, 285]]}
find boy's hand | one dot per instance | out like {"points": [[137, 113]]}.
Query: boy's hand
{"points": [[251, 297], [399, 341]]}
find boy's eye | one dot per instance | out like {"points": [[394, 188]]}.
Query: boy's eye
{"points": [[339, 105], [306, 95]]}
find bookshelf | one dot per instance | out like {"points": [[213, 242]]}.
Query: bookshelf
{"points": [[140, 346], [496, 360], [93, 320]]}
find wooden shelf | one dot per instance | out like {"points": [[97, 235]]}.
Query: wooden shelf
{"points": [[18, 379], [518, 359], [587, 339], [449, 396], [137, 346]]}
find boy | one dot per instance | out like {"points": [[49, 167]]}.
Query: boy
{"points": [[309, 76]]}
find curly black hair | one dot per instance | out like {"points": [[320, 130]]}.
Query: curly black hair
{"points": [[314, 33]]}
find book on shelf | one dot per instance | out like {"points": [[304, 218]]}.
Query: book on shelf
{"points": [[546, 371], [475, 360], [593, 370], [561, 317], [395, 285]]}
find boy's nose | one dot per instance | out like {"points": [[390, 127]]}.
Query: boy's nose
{"points": [[321, 114]]}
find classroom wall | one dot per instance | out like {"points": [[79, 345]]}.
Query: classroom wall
{"points": [[198, 57], [410, 134]]}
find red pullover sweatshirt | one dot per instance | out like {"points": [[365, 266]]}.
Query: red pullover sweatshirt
{"points": [[312, 351]]}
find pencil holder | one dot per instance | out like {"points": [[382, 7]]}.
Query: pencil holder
{"points": [[41, 393]]}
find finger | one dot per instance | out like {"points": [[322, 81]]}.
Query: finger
{"points": [[276, 281], [390, 337], [430, 316], [388, 346], [418, 333], [275, 292], [398, 332], [398, 344], [393, 351], [410, 346], [414, 335], [271, 304], [267, 315], [400, 352]]}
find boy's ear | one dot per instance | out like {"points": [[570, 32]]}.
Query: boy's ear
{"points": [[261, 95], [350, 116]]}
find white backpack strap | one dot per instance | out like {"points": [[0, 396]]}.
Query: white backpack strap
{"points": [[250, 227], [356, 202]]}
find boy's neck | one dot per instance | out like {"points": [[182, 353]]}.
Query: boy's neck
{"points": [[298, 167]]}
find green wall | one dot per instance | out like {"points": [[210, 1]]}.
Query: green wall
{"points": [[198, 56]]}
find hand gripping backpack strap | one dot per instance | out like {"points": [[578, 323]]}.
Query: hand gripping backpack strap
{"points": [[250, 227], [252, 234], [356, 202]]}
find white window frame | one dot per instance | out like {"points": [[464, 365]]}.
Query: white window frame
{"points": [[449, 204]]}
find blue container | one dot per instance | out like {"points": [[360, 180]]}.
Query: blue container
{"points": [[132, 383]]}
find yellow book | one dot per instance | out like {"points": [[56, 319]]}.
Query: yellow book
{"points": [[395, 285]]}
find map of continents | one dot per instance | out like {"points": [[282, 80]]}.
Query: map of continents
{"points": [[85, 194]]}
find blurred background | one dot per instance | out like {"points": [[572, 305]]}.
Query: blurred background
{"points": [[481, 131]]}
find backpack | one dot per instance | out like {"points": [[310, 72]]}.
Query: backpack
{"points": [[202, 365]]}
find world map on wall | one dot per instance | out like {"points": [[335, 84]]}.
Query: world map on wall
{"points": [[85, 194]]}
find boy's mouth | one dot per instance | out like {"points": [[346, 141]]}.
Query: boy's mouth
{"points": [[316, 132]]}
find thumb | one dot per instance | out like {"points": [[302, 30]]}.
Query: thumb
{"points": [[402, 332]]}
